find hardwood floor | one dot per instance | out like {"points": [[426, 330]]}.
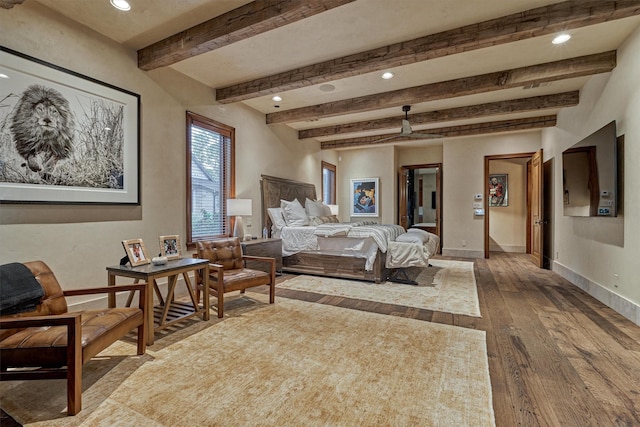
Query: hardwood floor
{"points": [[557, 356]]}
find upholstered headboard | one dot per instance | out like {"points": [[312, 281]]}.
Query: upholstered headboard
{"points": [[274, 189]]}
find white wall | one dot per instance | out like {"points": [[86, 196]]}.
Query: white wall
{"points": [[463, 177], [601, 254], [375, 162], [79, 241]]}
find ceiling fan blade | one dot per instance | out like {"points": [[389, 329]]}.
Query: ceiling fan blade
{"points": [[386, 139], [425, 135]]}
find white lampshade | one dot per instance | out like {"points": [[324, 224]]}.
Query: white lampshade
{"points": [[237, 207], [335, 209]]}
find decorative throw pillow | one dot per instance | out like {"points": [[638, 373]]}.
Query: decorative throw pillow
{"points": [[294, 213], [316, 208], [277, 218], [317, 220]]}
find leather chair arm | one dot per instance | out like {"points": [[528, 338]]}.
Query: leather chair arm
{"points": [[263, 259], [105, 289], [67, 319]]}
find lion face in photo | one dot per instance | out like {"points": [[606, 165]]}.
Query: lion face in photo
{"points": [[43, 125]]}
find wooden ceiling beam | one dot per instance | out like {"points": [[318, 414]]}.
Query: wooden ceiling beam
{"points": [[522, 105], [536, 22], [551, 71], [453, 131], [238, 24]]}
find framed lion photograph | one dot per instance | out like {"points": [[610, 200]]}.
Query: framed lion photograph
{"points": [[69, 139]]}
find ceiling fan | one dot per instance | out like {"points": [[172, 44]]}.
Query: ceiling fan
{"points": [[406, 131]]}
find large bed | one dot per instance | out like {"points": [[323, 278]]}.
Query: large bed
{"points": [[360, 254]]}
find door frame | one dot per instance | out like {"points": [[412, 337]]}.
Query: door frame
{"points": [[403, 194], [487, 160]]}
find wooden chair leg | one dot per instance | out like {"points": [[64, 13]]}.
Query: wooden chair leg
{"points": [[74, 367], [220, 305]]}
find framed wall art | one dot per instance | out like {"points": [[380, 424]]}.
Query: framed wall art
{"points": [[170, 246], [136, 252], [66, 137], [498, 190], [364, 192]]}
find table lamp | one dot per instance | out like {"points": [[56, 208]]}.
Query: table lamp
{"points": [[238, 208]]}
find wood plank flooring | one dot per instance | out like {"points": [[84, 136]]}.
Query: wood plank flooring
{"points": [[557, 356]]}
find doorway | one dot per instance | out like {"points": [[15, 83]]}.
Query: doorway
{"points": [[420, 198], [519, 210]]}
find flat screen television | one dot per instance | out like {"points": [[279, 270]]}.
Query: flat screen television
{"points": [[589, 175]]}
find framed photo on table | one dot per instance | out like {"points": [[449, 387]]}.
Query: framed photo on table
{"points": [[136, 252], [88, 151], [364, 192], [170, 246]]}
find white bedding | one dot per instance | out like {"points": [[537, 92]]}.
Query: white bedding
{"points": [[360, 240]]}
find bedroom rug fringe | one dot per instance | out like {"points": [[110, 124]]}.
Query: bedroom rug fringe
{"points": [[447, 286], [291, 363]]}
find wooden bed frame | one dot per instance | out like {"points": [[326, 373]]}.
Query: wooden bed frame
{"points": [[318, 263]]}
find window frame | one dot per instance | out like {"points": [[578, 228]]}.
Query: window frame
{"points": [[332, 168], [226, 131]]}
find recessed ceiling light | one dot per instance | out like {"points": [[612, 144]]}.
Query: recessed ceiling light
{"points": [[276, 98], [562, 38], [120, 4], [3, 76], [388, 75], [327, 88]]}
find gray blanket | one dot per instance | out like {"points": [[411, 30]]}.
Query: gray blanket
{"points": [[19, 290]]}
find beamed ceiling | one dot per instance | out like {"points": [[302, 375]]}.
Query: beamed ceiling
{"points": [[466, 67]]}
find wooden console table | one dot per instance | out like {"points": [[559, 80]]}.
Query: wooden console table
{"points": [[169, 311]]}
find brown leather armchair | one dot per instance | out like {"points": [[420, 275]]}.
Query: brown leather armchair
{"points": [[227, 271], [59, 343]]}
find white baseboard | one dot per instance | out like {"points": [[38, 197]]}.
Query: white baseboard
{"points": [[620, 304], [462, 253]]}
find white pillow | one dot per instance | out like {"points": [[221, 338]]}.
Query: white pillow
{"points": [[412, 238], [316, 208], [426, 234], [277, 218], [294, 213]]}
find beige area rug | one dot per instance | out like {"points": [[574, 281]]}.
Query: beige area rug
{"points": [[293, 363], [448, 286]]}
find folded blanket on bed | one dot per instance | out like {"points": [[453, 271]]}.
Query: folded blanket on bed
{"points": [[20, 292]]}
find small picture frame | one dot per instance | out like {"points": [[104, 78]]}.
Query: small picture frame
{"points": [[170, 246], [136, 252]]}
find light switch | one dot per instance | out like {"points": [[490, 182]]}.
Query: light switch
{"points": [[477, 205], [478, 212]]}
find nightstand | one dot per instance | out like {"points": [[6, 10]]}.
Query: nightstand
{"points": [[263, 247]]}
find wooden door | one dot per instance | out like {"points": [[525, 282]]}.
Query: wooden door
{"points": [[537, 210], [403, 183]]}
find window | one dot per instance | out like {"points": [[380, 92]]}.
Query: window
{"points": [[210, 177], [328, 183]]}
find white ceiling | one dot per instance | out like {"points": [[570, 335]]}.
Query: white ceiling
{"points": [[348, 29]]}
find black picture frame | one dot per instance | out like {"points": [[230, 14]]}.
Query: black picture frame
{"points": [[89, 153]]}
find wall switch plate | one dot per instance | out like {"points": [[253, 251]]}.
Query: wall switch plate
{"points": [[478, 212], [477, 205], [604, 211]]}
